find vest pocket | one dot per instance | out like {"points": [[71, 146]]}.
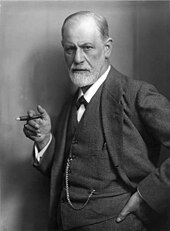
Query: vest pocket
{"points": [[100, 152], [101, 164]]}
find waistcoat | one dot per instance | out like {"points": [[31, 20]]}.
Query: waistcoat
{"points": [[93, 182]]}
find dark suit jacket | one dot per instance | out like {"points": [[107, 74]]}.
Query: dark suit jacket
{"points": [[138, 118]]}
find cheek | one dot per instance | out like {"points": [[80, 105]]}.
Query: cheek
{"points": [[97, 57], [96, 61], [68, 60]]}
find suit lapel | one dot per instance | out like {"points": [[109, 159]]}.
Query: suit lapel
{"points": [[112, 115], [112, 118]]}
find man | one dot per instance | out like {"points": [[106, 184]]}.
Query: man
{"points": [[103, 160]]}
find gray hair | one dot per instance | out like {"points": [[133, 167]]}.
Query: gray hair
{"points": [[100, 21]]}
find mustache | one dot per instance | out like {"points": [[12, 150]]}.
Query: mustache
{"points": [[78, 69]]}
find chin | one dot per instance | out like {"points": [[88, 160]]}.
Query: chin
{"points": [[82, 80]]}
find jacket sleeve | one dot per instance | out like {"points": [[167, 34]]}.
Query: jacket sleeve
{"points": [[45, 163], [154, 110], [54, 154]]}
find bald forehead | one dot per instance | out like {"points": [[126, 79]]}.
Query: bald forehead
{"points": [[82, 21], [83, 17]]}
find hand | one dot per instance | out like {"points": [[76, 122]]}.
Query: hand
{"points": [[38, 130], [137, 206]]}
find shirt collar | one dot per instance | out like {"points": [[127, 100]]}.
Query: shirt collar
{"points": [[93, 89]]}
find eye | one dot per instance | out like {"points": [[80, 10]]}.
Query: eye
{"points": [[87, 48], [69, 50]]}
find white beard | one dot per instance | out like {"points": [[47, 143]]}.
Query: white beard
{"points": [[82, 79]]}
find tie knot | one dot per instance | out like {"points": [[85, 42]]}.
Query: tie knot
{"points": [[81, 101]]}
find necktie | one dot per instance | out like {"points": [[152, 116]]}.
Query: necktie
{"points": [[81, 101]]}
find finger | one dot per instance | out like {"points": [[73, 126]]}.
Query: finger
{"points": [[32, 124], [31, 134], [123, 214], [32, 127], [31, 113], [29, 130]]}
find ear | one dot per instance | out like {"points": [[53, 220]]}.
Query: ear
{"points": [[108, 47]]}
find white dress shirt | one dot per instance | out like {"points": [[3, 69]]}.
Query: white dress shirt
{"points": [[88, 96], [90, 93]]}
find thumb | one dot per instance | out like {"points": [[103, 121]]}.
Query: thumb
{"points": [[123, 214], [42, 111]]}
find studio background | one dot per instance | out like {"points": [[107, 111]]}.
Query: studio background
{"points": [[32, 71]]}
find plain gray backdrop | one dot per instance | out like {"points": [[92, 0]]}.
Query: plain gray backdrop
{"points": [[32, 71]]}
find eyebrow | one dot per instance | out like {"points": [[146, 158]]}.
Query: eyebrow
{"points": [[81, 44]]}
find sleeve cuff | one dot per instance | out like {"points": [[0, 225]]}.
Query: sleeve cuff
{"points": [[38, 155]]}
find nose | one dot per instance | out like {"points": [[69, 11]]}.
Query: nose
{"points": [[79, 56]]}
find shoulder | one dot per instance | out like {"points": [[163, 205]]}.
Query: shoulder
{"points": [[133, 86], [121, 86], [127, 85], [132, 93]]}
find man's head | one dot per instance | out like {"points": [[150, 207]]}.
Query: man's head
{"points": [[87, 47]]}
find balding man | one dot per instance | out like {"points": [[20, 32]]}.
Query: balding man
{"points": [[102, 161]]}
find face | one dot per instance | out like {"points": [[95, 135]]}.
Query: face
{"points": [[86, 53]]}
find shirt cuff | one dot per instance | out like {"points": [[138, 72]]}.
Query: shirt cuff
{"points": [[38, 155]]}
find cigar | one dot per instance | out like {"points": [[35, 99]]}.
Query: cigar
{"points": [[26, 117]]}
